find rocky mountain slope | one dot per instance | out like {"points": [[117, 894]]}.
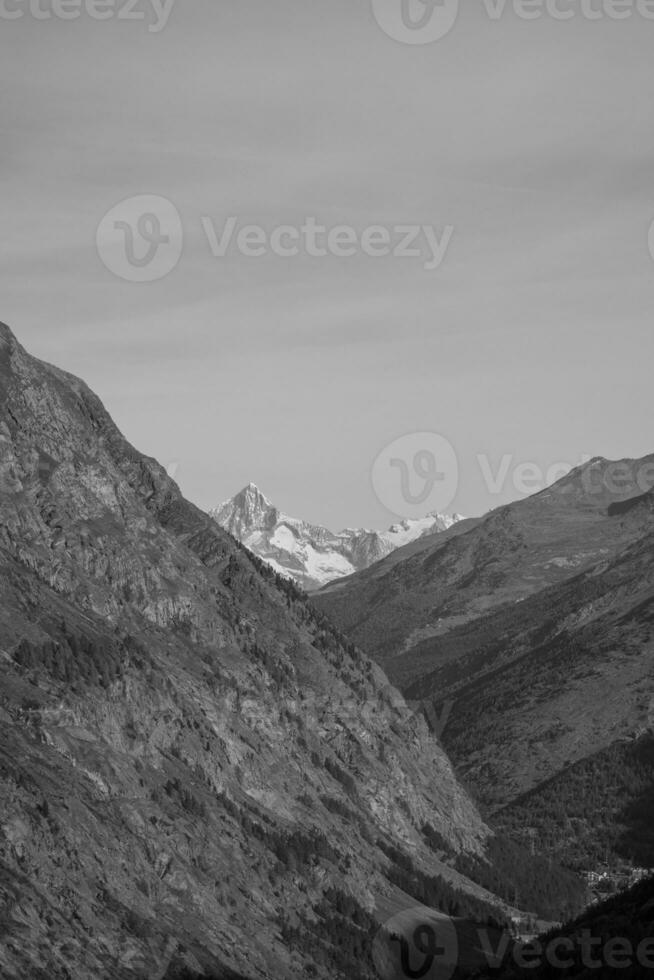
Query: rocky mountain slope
{"points": [[198, 776], [310, 554], [533, 627]]}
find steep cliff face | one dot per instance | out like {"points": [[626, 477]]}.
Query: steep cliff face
{"points": [[192, 761]]}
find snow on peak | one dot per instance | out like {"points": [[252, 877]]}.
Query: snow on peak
{"points": [[247, 511], [311, 554]]}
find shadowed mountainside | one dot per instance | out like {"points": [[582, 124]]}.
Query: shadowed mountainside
{"points": [[533, 626], [196, 770], [611, 939]]}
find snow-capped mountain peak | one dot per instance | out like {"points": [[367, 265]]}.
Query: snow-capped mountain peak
{"points": [[309, 553], [248, 511]]}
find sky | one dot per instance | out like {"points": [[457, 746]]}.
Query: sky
{"points": [[526, 145]]}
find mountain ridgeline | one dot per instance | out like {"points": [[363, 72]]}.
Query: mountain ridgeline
{"points": [[531, 632], [311, 554], [199, 776]]}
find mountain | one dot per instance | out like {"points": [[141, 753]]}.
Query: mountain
{"points": [[310, 554], [596, 812], [437, 585], [610, 939], [199, 777], [531, 632]]}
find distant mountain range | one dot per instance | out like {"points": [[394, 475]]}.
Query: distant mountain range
{"points": [[311, 554], [533, 629]]}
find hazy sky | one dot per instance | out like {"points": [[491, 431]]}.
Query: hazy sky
{"points": [[533, 139]]}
